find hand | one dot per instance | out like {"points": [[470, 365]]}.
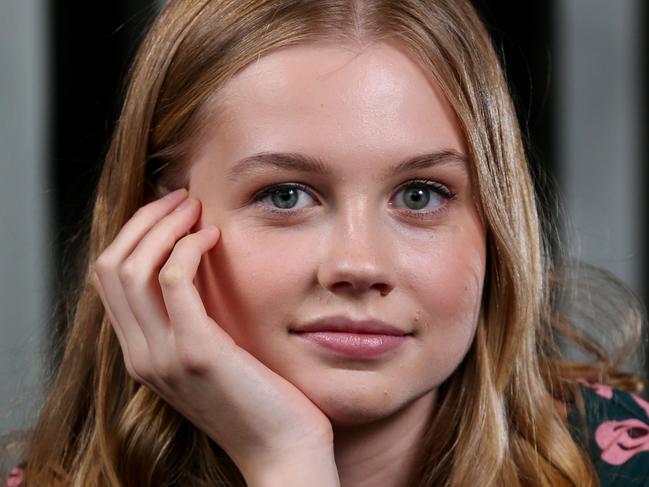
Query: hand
{"points": [[170, 344]]}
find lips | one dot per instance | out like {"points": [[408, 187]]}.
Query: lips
{"points": [[368, 339], [342, 324]]}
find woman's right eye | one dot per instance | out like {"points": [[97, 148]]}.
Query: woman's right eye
{"points": [[283, 198]]}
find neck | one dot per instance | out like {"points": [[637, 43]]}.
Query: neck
{"points": [[382, 452]]}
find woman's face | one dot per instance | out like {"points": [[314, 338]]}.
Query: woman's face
{"points": [[357, 236]]}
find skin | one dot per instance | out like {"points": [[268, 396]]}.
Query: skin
{"points": [[203, 291], [351, 249]]}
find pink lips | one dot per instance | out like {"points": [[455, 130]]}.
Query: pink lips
{"points": [[353, 338]]}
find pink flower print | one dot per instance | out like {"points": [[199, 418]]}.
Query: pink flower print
{"points": [[15, 479], [621, 440], [642, 403], [601, 389]]}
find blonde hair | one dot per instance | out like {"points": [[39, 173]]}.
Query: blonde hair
{"points": [[497, 423]]}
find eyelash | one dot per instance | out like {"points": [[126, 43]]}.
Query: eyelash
{"points": [[436, 187]]}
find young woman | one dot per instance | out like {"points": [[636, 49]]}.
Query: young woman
{"points": [[316, 259]]}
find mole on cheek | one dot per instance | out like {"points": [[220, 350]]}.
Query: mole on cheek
{"points": [[417, 316]]}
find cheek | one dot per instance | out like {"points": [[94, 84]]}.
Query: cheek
{"points": [[254, 274], [450, 285], [447, 288]]}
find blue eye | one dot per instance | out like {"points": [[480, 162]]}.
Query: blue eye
{"points": [[283, 198], [415, 195]]}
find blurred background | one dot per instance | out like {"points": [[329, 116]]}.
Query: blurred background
{"points": [[578, 73]]}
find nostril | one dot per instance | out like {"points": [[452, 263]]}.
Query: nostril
{"points": [[384, 289], [354, 278]]}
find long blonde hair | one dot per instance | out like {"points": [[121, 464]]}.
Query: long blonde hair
{"points": [[497, 423]]}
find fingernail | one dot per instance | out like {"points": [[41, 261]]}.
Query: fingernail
{"points": [[185, 204], [175, 194]]}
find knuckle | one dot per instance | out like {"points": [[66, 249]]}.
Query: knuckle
{"points": [[103, 265], [171, 275], [129, 272], [131, 371], [141, 372], [94, 279], [191, 362]]}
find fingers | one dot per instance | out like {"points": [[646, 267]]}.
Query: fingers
{"points": [[109, 286], [141, 222], [139, 272], [128, 332], [145, 280], [118, 330], [183, 302]]}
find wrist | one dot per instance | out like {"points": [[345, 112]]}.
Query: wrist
{"points": [[303, 467]]}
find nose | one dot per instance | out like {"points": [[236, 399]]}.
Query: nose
{"points": [[356, 258]]}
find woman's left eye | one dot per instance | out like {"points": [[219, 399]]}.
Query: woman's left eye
{"points": [[420, 197]]}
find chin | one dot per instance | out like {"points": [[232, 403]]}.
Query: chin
{"points": [[347, 415], [354, 408]]}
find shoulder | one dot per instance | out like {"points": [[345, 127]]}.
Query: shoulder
{"points": [[615, 431]]}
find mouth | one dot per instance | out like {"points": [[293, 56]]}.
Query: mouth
{"points": [[361, 339], [343, 324]]}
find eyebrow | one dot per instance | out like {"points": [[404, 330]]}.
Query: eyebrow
{"points": [[295, 161]]}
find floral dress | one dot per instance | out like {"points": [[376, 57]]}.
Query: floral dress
{"points": [[617, 425], [618, 435]]}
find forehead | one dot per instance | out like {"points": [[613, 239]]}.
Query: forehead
{"points": [[336, 102]]}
